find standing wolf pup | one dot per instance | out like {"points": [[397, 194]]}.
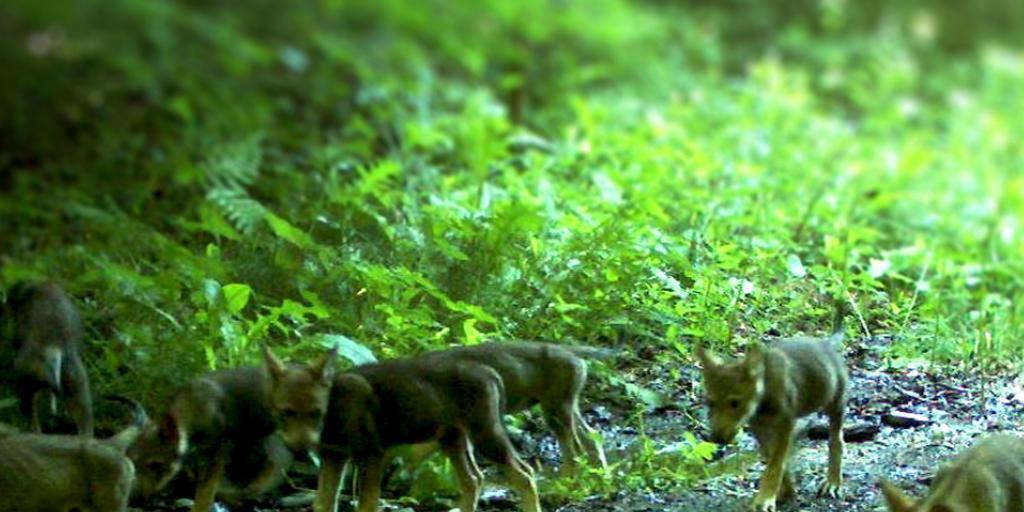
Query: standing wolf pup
{"points": [[360, 414], [988, 477], [47, 335], [770, 388], [220, 427], [546, 374]]}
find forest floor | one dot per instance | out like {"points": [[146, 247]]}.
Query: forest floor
{"points": [[959, 406]]}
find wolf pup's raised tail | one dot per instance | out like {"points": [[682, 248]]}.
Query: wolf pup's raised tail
{"points": [[838, 323], [126, 437], [590, 352]]}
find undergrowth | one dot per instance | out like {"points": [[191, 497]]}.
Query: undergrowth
{"points": [[203, 178]]}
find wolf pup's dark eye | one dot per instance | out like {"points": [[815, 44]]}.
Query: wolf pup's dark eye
{"points": [[735, 404]]}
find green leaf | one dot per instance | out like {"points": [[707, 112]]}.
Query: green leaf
{"points": [[236, 296], [473, 336], [285, 230], [317, 308], [213, 221]]}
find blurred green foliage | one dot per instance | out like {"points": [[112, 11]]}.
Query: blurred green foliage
{"points": [[406, 175]]}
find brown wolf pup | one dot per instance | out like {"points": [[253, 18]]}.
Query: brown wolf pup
{"points": [[360, 414], [770, 388], [546, 374], [219, 427], [47, 335], [988, 477], [45, 473]]}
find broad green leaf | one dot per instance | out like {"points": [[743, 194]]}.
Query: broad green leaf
{"points": [[317, 308], [473, 336], [285, 230], [214, 222], [236, 296]]}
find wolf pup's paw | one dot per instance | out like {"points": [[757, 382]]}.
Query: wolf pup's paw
{"points": [[830, 489], [763, 504]]}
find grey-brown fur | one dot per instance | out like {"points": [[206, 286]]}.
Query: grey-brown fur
{"points": [[219, 429], [47, 362], [769, 389], [544, 374], [47, 473], [373, 408], [987, 477]]}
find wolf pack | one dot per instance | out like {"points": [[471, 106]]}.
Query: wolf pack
{"points": [[233, 434]]}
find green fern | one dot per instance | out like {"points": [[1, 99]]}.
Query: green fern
{"points": [[244, 212], [235, 164]]}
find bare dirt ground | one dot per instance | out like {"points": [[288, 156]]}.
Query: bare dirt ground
{"points": [[960, 406]]}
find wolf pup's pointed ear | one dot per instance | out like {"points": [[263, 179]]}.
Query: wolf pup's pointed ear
{"points": [[754, 361], [274, 365], [323, 368], [894, 498]]}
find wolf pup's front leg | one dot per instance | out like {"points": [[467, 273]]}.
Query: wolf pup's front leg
{"points": [[776, 441], [332, 470], [832, 487]]}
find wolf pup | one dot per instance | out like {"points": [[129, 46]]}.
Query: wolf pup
{"points": [[988, 477], [546, 374], [47, 335], [219, 427], [45, 473], [770, 388], [360, 414]]}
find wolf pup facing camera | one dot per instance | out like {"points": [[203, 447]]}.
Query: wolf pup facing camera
{"points": [[362, 413], [988, 477], [47, 473], [550, 375], [47, 364], [769, 389], [219, 427]]}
